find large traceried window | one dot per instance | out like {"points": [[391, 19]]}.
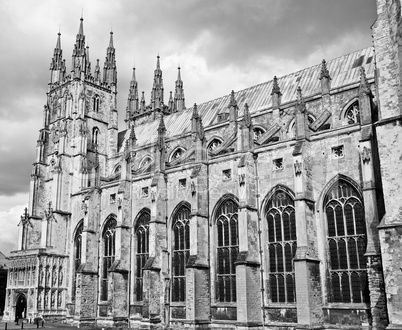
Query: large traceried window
{"points": [[227, 250], [109, 241], [180, 252], [142, 250], [280, 214], [346, 239]]}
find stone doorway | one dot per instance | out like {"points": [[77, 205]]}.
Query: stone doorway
{"points": [[21, 307]]}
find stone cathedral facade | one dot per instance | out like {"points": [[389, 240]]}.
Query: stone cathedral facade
{"points": [[278, 206]]}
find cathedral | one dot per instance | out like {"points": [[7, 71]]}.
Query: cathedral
{"points": [[278, 206]]}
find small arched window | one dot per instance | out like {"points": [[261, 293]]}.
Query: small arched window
{"points": [[258, 131], [214, 144], [178, 153], [346, 240], [108, 249], [78, 246], [181, 252], [142, 250], [352, 113], [281, 246], [117, 169], [96, 103], [95, 136], [227, 250]]}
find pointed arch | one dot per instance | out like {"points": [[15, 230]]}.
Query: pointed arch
{"points": [[225, 216], [141, 249], [108, 252], [176, 153], [77, 252], [214, 142], [281, 244], [347, 106], [180, 221], [346, 241]]}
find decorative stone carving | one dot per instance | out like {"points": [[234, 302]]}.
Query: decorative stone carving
{"points": [[366, 155], [298, 167], [242, 179]]}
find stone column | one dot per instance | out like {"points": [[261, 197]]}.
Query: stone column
{"points": [[248, 281], [153, 288], [197, 273], [306, 262]]}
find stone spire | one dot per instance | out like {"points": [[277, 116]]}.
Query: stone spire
{"points": [[276, 93], [97, 73], [57, 65], [325, 78], [142, 103], [233, 108], [171, 103], [179, 93], [79, 52], [132, 100], [246, 131], [109, 68], [157, 88]]}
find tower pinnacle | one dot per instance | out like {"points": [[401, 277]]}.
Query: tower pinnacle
{"points": [[179, 104], [109, 69]]}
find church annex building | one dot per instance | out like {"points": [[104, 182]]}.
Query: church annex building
{"points": [[278, 206]]}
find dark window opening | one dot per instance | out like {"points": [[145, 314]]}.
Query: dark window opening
{"points": [[108, 246], [281, 247], [77, 254], [346, 240], [227, 251], [180, 253], [142, 251]]}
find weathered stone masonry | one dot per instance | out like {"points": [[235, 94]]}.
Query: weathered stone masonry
{"points": [[277, 206]]}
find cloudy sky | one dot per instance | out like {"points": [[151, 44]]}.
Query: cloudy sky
{"points": [[220, 45]]}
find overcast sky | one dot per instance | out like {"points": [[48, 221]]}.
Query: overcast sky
{"points": [[220, 45]]}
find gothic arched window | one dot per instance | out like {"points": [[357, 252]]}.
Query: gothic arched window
{"points": [[352, 113], [78, 246], [142, 250], [258, 131], [95, 135], [108, 247], [96, 102], [214, 144], [180, 252], [346, 239], [227, 250], [178, 153], [280, 214]]}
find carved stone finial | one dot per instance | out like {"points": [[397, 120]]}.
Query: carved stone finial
{"points": [[246, 117], [195, 111], [300, 105], [49, 213], [132, 134], [324, 70], [275, 87], [364, 87], [25, 218], [232, 102]]}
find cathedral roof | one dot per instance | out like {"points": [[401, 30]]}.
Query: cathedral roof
{"points": [[344, 71]]}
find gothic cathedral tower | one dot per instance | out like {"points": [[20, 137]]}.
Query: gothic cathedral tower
{"points": [[78, 136]]}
